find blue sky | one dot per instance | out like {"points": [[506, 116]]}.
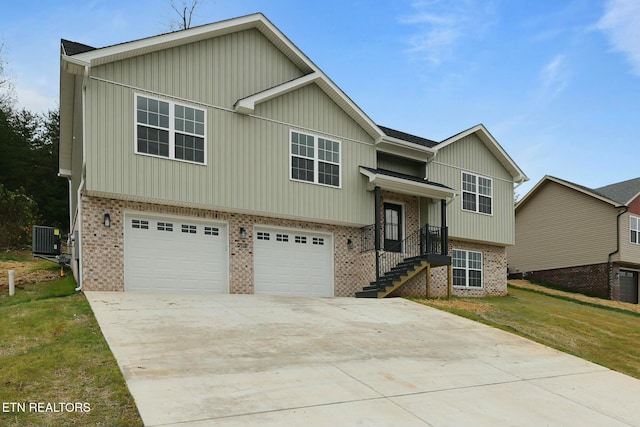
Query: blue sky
{"points": [[557, 83]]}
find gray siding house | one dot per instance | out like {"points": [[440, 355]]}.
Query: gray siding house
{"points": [[586, 239], [222, 159]]}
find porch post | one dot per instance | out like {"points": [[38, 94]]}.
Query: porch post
{"points": [[444, 244], [377, 229]]}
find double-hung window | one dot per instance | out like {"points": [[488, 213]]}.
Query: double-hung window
{"points": [[467, 269], [314, 159], [171, 130], [477, 193], [634, 227]]}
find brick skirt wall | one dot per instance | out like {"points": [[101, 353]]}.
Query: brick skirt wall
{"points": [[587, 279], [103, 248], [494, 271]]}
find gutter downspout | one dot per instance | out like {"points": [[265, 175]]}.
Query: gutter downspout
{"points": [[83, 175], [609, 281]]}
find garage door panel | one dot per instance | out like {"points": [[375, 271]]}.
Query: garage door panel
{"points": [[293, 262], [172, 254]]}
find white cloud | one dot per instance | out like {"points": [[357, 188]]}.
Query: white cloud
{"points": [[440, 25], [554, 77], [621, 22]]}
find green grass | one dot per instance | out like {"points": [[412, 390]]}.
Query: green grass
{"points": [[52, 351], [599, 334]]}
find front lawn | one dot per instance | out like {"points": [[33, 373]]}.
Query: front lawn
{"points": [[592, 330], [55, 366]]}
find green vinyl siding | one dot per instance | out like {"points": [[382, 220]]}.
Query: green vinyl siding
{"points": [[216, 71], [247, 164], [471, 155]]}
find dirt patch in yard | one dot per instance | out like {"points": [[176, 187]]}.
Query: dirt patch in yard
{"points": [[475, 306], [25, 273], [525, 284]]}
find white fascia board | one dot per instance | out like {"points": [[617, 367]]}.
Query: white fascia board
{"points": [[400, 147], [248, 105], [406, 186], [493, 146]]}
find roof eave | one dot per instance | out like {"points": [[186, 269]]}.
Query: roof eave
{"points": [[404, 186], [492, 144]]}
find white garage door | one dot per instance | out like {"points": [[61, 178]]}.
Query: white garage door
{"points": [[292, 262], [174, 254]]}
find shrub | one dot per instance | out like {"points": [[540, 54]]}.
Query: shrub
{"points": [[18, 213]]}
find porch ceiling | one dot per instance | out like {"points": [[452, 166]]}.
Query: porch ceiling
{"points": [[406, 184]]}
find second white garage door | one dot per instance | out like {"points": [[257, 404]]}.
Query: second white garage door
{"points": [[174, 254], [292, 262]]}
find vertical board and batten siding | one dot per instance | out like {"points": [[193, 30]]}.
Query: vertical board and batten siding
{"points": [[471, 155], [247, 159], [76, 153], [561, 227]]}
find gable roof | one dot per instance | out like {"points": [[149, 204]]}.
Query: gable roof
{"points": [[408, 137], [597, 194], [622, 192], [494, 147], [73, 48], [78, 59]]}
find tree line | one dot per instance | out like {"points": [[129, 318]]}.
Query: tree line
{"points": [[30, 190]]}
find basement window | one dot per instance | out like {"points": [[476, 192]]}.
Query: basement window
{"points": [[170, 130], [467, 269]]}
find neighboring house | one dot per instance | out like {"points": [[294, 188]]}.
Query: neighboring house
{"points": [[221, 159], [584, 239]]}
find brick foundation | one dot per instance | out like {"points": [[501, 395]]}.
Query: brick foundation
{"points": [[103, 248], [494, 271], [587, 279]]}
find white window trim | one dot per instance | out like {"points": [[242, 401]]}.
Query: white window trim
{"points": [[171, 129], [316, 160], [637, 230], [467, 269], [477, 193]]}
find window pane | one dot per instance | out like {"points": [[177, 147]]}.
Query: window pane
{"points": [[199, 129], [469, 201], [142, 103], [302, 169], [328, 174], [484, 186], [468, 182], [485, 204], [475, 278], [199, 116], [179, 111], [459, 277]]}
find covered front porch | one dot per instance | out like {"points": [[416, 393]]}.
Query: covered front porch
{"points": [[403, 241]]}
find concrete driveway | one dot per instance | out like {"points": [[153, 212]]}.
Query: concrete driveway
{"points": [[248, 360]]}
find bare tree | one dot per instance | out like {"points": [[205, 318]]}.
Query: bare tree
{"points": [[185, 12], [7, 95]]}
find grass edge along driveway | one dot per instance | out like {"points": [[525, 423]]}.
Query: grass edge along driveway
{"points": [[56, 368], [594, 332]]}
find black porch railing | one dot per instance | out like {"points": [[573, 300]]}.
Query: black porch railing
{"points": [[428, 240]]}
